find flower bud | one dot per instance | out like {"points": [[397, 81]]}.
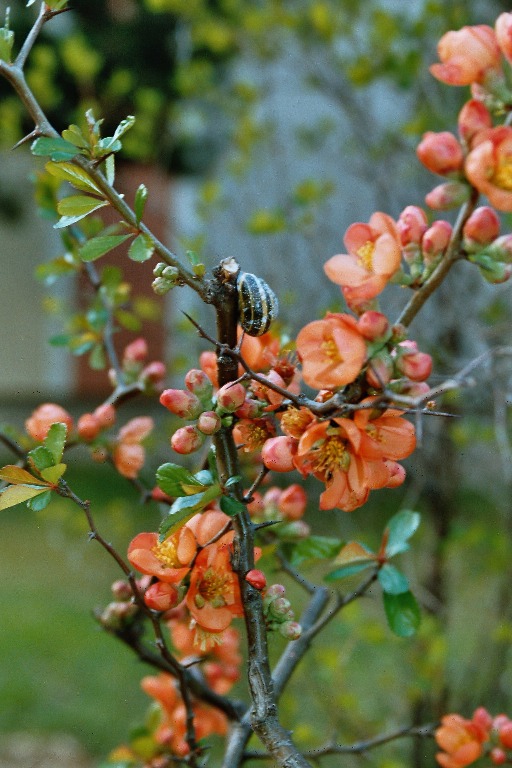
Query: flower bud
{"points": [[136, 352], [498, 756], [411, 224], [256, 579], [38, 424], [158, 495], [154, 373], [271, 498], [482, 227], [501, 248], [161, 596], [87, 427], [230, 397], [161, 286], [198, 382], [380, 370], [278, 452], [256, 506], [416, 366], [373, 325], [435, 240], [209, 422], [187, 440], [291, 630], [295, 530], [121, 590], [279, 607], [182, 403], [505, 734], [105, 415], [292, 502], [208, 363], [440, 152], [473, 117], [447, 195], [250, 409], [116, 615], [274, 591], [396, 474]]}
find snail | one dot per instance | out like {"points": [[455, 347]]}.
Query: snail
{"points": [[257, 303]]}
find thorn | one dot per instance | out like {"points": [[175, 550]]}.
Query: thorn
{"points": [[91, 535], [35, 134], [267, 524]]}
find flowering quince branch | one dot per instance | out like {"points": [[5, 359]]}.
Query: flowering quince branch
{"points": [[198, 571]]}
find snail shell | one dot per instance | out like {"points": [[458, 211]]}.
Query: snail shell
{"points": [[257, 303]]}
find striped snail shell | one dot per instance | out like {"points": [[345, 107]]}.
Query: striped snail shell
{"points": [[257, 303]]}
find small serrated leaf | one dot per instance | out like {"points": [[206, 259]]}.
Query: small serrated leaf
{"points": [[16, 494], [402, 612], [173, 479], [41, 458], [75, 208], [39, 502], [141, 249], [141, 197], [186, 507], [75, 175], [55, 441], [16, 475], [53, 474], [230, 506], [56, 148], [100, 245], [315, 548]]}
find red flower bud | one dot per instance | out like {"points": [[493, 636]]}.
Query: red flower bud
{"points": [[230, 397], [498, 756], [278, 452], [161, 596], [199, 383], [154, 372], [373, 325], [505, 734], [187, 440], [87, 427], [136, 352], [105, 415], [411, 224], [417, 366], [473, 117], [182, 403], [209, 422], [436, 239], [447, 195], [292, 502], [482, 227], [440, 152], [256, 579]]}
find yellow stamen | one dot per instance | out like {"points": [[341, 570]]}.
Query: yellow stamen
{"points": [[330, 349], [365, 255], [213, 587], [503, 174], [330, 455], [295, 421], [166, 552]]}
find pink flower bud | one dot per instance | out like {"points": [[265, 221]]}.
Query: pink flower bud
{"points": [[380, 370], [501, 248], [416, 389], [105, 415], [87, 427], [473, 117], [256, 579], [291, 630], [187, 440], [38, 424], [293, 502], [230, 397], [121, 590], [275, 590], [278, 452], [129, 459], [209, 422], [161, 596], [272, 496], [498, 756], [505, 734], [295, 530], [250, 409], [396, 474], [417, 366], [503, 31], [482, 227], [279, 607], [440, 152], [199, 383], [373, 325], [154, 372], [256, 506], [447, 195], [182, 403], [136, 352], [158, 495], [411, 224], [436, 239], [208, 363]]}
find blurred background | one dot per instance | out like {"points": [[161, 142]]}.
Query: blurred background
{"points": [[263, 130]]}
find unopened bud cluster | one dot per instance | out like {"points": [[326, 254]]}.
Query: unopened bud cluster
{"points": [[282, 505], [166, 277], [121, 611], [207, 410], [135, 368], [279, 616]]}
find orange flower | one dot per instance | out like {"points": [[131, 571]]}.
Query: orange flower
{"points": [[168, 560], [374, 255], [128, 454], [213, 597], [461, 741], [38, 424], [384, 435], [332, 351], [468, 55], [489, 166]]}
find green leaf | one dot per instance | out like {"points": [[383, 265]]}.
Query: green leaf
{"points": [[175, 480], [97, 359], [205, 477], [39, 502], [75, 208], [110, 169], [399, 530], [315, 548], [128, 320], [99, 246], [141, 249], [348, 570], [41, 458], [186, 507], [55, 441], [402, 612], [53, 474], [74, 135], [6, 44], [141, 197], [15, 494], [111, 143], [392, 581], [230, 506], [56, 148], [16, 475], [232, 481], [74, 175]]}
